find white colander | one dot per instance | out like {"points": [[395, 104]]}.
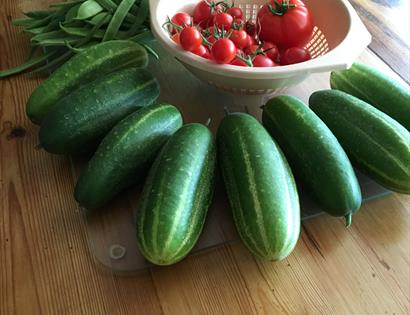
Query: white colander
{"points": [[339, 38]]}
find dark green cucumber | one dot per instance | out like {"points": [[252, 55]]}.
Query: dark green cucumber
{"points": [[86, 66], [377, 144], [85, 116], [314, 155], [376, 88], [176, 196], [260, 186], [125, 153]]}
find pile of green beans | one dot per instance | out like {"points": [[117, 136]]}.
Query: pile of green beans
{"points": [[68, 27]]}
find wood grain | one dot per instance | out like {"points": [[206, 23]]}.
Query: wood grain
{"points": [[46, 268], [389, 23]]}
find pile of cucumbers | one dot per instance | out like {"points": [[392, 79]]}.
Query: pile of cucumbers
{"points": [[104, 101]]}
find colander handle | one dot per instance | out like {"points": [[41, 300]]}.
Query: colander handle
{"points": [[356, 41]]}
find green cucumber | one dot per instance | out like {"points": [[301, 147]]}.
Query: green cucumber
{"points": [[260, 186], [85, 116], [376, 144], [125, 153], [314, 155], [86, 66], [376, 88], [176, 196]]}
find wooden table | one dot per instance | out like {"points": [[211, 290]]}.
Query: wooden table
{"points": [[46, 268]]}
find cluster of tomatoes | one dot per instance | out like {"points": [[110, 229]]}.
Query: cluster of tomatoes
{"points": [[220, 32]]}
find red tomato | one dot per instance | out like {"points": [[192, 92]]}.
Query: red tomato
{"points": [[176, 39], [190, 38], [223, 21], [271, 50], [200, 51], [290, 27], [252, 49], [239, 38], [182, 19], [204, 12], [250, 41], [263, 61], [235, 12], [207, 55], [239, 62], [294, 55], [250, 28], [237, 24], [211, 39], [208, 31], [223, 51]]}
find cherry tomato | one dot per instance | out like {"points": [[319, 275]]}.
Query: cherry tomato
{"points": [[200, 51], [239, 38], [182, 19], [250, 28], [294, 55], [250, 41], [263, 61], [207, 54], [223, 21], [204, 12], [272, 51], [235, 12], [211, 39], [252, 49], [290, 27], [223, 51], [239, 62], [208, 31], [237, 24], [190, 38], [176, 39]]}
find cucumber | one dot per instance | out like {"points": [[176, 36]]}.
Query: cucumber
{"points": [[376, 88], [124, 154], [314, 155], [260, 186], [82, 118], [376, 144], [176, 196], [84, 67]]}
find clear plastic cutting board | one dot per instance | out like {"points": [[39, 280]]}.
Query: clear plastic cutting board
{"points": [[111, 231]]}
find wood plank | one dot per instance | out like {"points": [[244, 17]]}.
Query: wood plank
{"points": [[45, 266], [388, 22]]}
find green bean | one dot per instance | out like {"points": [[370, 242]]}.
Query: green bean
{"points": [[140, 18], [55, 62], [107, 5], [37, 30], [117, 19], [54, 42], [52, 26], [143, 37], [88, 9], [95, 19], [151, 51], [94, 32], [84, 32], [65, 4], [70, 26], [32, 62], [110, 6], [48, 35], [71, 14], [31, 23], [38, 15], [25, 22]]}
